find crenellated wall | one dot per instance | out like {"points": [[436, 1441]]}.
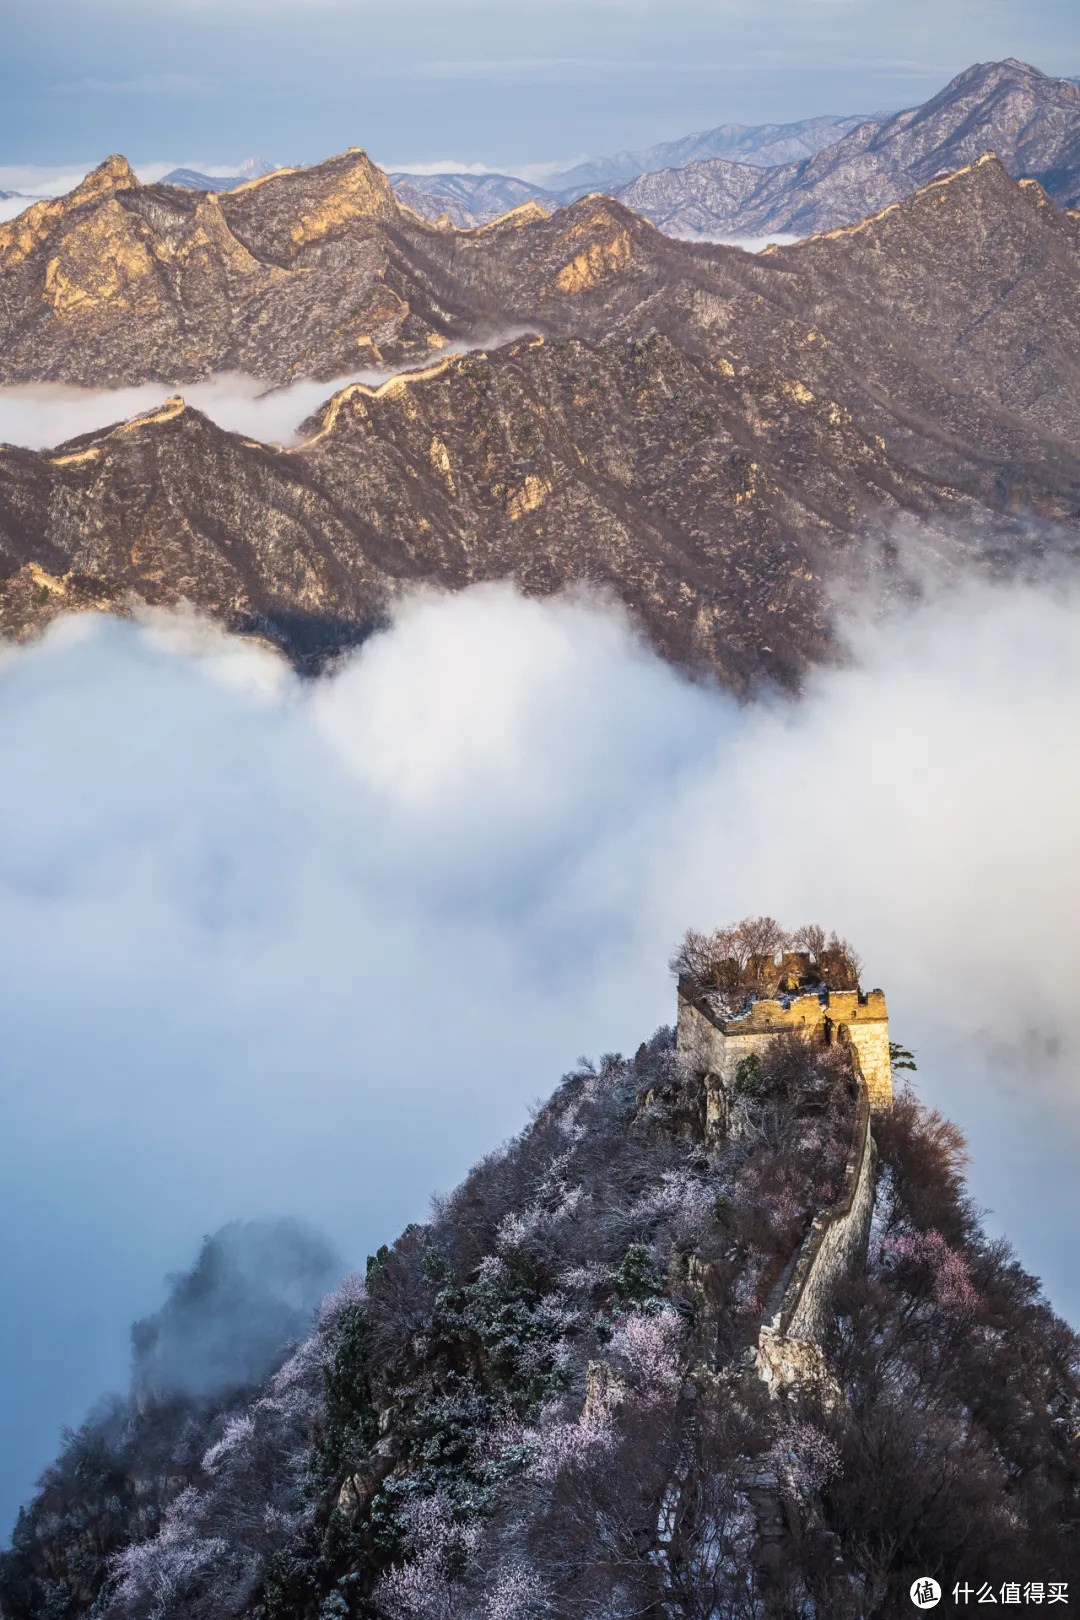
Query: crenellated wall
{"points": [[716, 1045]]}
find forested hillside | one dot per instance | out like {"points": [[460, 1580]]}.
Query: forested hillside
{"points": [[543, 1400]]}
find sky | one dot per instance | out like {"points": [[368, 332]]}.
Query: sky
{"points": [[270, 947], [524, 85]]}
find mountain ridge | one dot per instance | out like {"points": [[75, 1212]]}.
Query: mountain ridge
{"points": [[706, 433], [810, 176], [564, 1391], [712, 436], [1029, 119], [474, 199], [762, 145]]}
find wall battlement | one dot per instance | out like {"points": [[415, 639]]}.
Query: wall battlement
{"points": [[717, 1044]]}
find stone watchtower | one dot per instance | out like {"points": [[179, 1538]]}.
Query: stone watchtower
{"points": [[716, 1041], [718, 1029]]}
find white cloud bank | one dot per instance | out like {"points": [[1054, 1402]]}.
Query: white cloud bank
{"points": [[41, 415], [271, 947]]}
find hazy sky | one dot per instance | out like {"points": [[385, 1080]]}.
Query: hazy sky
{"points": [[272, 947], [525, 82]]}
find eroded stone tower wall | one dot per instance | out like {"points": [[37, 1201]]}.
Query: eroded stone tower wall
{"points": [[716, 1045]]}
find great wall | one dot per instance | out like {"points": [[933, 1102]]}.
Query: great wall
{"points": [[715, 1047]]}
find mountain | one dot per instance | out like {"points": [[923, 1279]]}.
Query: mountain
{"points": [[254, 168], [814, 175], [692, 1345], [1031, 121], [227, 1321], [194, 180], [712, 435], [467, 200], [763, 145], [226, 1326], [278, 277], [475, 199]]}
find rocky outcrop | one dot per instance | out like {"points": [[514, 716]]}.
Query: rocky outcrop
{"points": [[119, 282]]}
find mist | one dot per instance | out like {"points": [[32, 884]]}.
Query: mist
{"points": [[41, 415], [749, 244], [253, 1289], [312, 948]]}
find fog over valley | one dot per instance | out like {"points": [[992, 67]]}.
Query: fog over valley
{"points": [[40, 415], [310, 948]]}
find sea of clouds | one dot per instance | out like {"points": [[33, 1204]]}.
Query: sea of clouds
{"points": [[282, 947]]}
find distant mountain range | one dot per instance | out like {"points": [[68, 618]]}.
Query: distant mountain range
{"points": [[467, 199], [795, 179], [760, 144], [1031, 121], [472, 199], [195, 180]]}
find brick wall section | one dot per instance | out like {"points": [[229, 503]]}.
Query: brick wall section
{"points": [[788, 1352], [836, 1242]]}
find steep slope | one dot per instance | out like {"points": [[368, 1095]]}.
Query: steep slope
{"points": [[545, 1400], [1031, 121], [725, 431], [226, 1326]]}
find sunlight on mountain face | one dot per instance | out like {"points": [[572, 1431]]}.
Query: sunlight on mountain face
{"points": [[313, 947]]}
